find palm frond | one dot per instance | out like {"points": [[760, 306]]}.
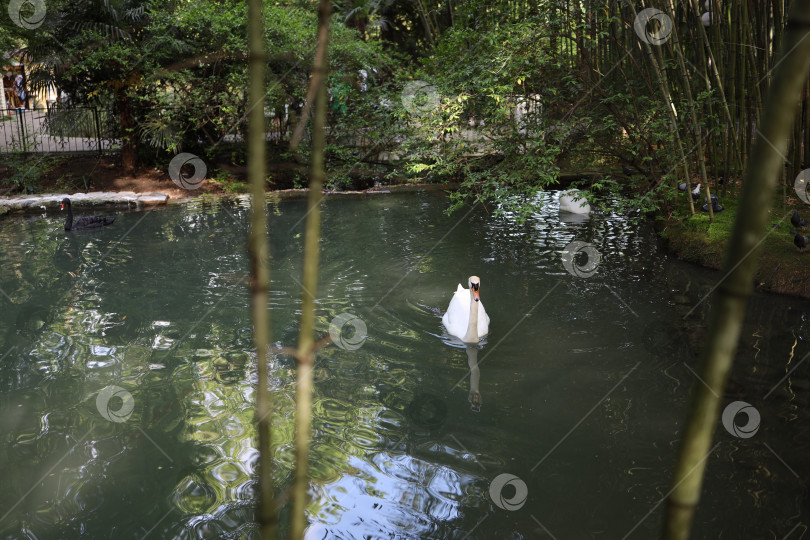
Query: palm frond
{"points": [[111, 10], [107, 30], [380, 22], [352, 13], [135, 14]]}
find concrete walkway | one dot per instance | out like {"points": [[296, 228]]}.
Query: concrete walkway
{"points": [[37, 137]]}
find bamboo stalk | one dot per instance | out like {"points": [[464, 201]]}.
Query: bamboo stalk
{"points": [[744, 76], [760, 77], [663, 86], [732, 59], [675, 43], [796, 144], [305, 355], [806, 157], [719, 83], [761, 177], [424, 16], [259, 256]]}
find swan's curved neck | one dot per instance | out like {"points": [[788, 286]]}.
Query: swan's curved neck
{"points": [[69, 221], [472, 325]]}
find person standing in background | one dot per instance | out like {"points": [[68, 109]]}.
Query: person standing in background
{"points": [[8, 89], [19, 90]]}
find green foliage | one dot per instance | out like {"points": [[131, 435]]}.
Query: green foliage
{"points": [[25, 170], [70, 182], [491, 130], [201, 104], [228, 183], [175, 73], [75, 122], [362, 129]]}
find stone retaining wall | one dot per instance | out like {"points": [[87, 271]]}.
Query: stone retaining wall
{"points": [[95, 198]]}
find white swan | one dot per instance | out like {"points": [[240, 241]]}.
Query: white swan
{"points": [[466, 317], [574, 201]]}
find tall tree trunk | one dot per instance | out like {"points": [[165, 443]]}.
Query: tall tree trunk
{"points": [[359, 19], [259, 257], [761, 176], [305, 355]]}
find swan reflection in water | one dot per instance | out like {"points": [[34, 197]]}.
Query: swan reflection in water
{"points": [[467, 320], [474, 396]]}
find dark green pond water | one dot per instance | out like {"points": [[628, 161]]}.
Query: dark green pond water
{"points": [[127, 376]]}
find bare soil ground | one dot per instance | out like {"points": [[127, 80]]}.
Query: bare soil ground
{"points": [[105, 174]]}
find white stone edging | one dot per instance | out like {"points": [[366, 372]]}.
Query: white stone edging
{"points": [[94, 198]]}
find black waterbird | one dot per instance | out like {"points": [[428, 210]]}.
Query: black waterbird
{"points": [[87, 222]]}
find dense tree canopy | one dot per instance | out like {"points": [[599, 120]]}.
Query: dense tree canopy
{"points": [[500, 96]]}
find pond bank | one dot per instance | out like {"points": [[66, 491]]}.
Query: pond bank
{"points": [[94, 198], [781, 268], [35, 203]]}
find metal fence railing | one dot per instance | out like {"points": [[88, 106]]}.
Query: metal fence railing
{"points": [[57, 129]]}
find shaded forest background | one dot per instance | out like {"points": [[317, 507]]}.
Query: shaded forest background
{"points": [[499, 96]]}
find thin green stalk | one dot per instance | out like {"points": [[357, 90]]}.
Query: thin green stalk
{"points": [[687, 85], [761, 177], [806, 126], [305, 355], [663, 86], [259, 255], [719, 83]]}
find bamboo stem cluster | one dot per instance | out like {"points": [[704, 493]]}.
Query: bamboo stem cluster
{"points": [[762, 174], [717, 73], [260, 270]]}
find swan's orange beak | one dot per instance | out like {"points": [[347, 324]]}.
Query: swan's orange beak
{"points": [[476, 294], [63, 206]]}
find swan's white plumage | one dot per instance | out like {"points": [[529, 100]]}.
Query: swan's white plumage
{"points": [[458, 315], [575, 202]]}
